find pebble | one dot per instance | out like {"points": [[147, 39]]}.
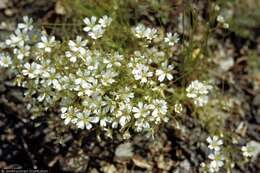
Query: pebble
{"points": [[3, 4], [124, 151]]}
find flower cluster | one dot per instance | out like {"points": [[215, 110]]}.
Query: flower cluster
{"points": [[222, 22], [96, 27], [198, 91], [93, 87], [141, 31], [216, 157]]}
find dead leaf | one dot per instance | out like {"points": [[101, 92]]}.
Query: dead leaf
{"points": [[59, 8], [53, 161], [241, 129], [140, 162]]}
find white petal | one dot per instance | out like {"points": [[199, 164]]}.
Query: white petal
{"points": [[47, 49], [161, 77], [63, 109], [94, 119], [169, 76], [40, 45], [89, 126], [44, 38], [67, 121], [122, 121], [81, 124], [135, 109], [137, 115], [86, 21]]}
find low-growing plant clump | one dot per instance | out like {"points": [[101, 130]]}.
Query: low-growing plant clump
{"points": [[132, 89]]}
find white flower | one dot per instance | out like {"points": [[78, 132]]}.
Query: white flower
{"points": [[178, 108], [142, 110], [123, 120], [150, 33], [114, 124], [52, 79], [108, 77], [17, 39], [31, 70], [78, 49], [46, 43], [214, 143], [216, 163], [226, 25], [220, 19], [141, 31], [90, 23], [141, 125], [40, 98], [105, 21], [94, 119], [83, 87], [196, 89], [104, 121], [198, 92], [22, 52], [201, 101], [5, 60], [96, 32], [123, 109], [248, 150], [83, 120], [27, 25], [204, 167], [158, 107], [141, 72], [164, 72], [72, 56], [78, 45], [170, 39], [217, 7], [67, 114]]}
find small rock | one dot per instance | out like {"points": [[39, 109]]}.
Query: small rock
{"points": [[3, 164], [77, 163], [226, 64], [94, 170], [185, 165], [164, 163], [9, 12], [124, 151], [109, 168], [3, 4]]}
